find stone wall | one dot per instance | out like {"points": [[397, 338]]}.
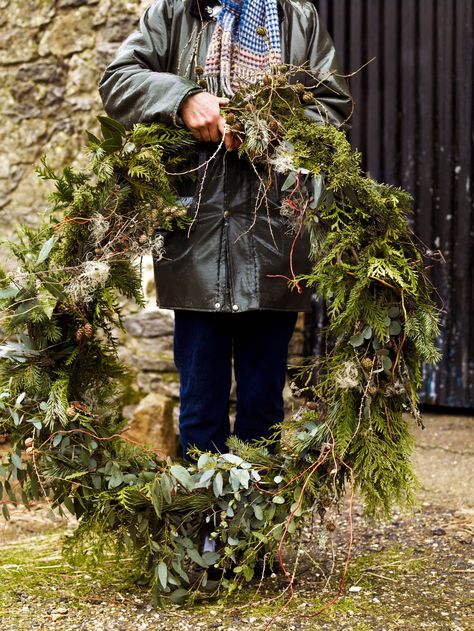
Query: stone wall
{"points": [[52, 54]]}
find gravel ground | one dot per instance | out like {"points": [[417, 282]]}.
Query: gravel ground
{"points": [[414, 572]]}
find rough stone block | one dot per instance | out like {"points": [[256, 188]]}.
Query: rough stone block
{"points": [[152, 424]]}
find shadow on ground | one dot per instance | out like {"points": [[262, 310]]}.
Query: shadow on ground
{"points": [[414, 572]]}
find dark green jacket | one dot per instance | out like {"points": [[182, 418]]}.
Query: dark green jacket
{"points": [[236, 244]]}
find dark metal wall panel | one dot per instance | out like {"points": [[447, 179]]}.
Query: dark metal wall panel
{"points": [[414, 125]]}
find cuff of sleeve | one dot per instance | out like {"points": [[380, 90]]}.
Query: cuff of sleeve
{"points": [[190, 89]]}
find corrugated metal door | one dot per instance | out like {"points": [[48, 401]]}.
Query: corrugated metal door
{"points": [[414, 125]]}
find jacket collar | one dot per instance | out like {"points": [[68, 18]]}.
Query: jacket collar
{"points": [[204, 10]]}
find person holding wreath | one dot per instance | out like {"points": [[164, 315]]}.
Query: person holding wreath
{"points": [[223, 276]]}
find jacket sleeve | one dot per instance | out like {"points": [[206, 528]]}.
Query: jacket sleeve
{"points": [[136, 86], [334, 103]]}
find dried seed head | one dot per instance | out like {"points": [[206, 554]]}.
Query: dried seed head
{"points": [[273, 126], [367, 363], [299, 88], [325, 502], [261, 30], [307, 97]]}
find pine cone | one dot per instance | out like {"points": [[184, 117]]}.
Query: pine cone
{"points": [[330, 526], [88, 330], [80, 334], [199, 70], [283, 68], [281, 79], [230, 118], [307, 97], [311, 405], [367, 363], [250, 107], [372, 390], [202, 83], [261, 30]]}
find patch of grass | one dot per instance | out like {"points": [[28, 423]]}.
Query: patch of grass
{"points": [[36, 568]]}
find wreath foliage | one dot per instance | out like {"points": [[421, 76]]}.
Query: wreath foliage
{"points": [[61, 380]]}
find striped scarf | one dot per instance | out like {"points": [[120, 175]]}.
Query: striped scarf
{"points": [[238, 53]]}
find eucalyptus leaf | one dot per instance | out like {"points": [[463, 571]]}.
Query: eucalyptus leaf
{"points": [[203, 460], [11, 291], [232, 459], [289, 182], [318, 190], [218, 484], [57, 439], [116, 478], [356, 340], [278, 499], [183, 476], [204, 480], [46, 250], [162, 571], [209, 558], [166, 488], [367, 332], [395, 328], [16, 461], [196, 557]]}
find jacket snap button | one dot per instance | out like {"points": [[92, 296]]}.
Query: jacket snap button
{"points": [[235, 307], [226, 214], [217, 305]]}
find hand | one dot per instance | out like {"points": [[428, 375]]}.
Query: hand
{"points": [[202, 116]]}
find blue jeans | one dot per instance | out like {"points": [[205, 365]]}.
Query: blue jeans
{"points": [[204, 344]]}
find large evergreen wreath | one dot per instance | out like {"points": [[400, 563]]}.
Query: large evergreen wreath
{"points": [[60, 379]]}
